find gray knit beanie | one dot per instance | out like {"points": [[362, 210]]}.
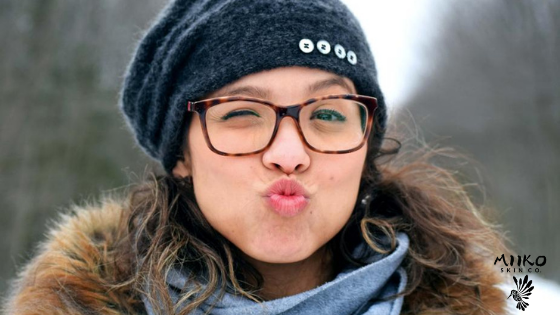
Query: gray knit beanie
{"points": [[197, 46]]}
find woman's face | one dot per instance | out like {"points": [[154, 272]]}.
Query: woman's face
{"points": [[231, 191]]}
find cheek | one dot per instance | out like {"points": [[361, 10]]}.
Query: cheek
{"points": [[234, 210], [344, 184], [213, 180], [220, 192], [338, 193], [224, 191], [341, 174]]}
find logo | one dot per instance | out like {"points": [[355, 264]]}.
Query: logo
{"points": [[524, 288], [520, 265]]}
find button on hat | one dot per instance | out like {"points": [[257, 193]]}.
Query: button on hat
{"points": [[306, 45], [324, 47]]}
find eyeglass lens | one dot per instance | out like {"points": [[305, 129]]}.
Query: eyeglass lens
{"points": [[238, 127]]}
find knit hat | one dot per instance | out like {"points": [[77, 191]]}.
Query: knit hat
{"points": [[197, 46]]}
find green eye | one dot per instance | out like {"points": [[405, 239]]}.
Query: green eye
{"points": [[328, 115]]}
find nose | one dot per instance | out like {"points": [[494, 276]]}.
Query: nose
{"points": [[287, 151]]}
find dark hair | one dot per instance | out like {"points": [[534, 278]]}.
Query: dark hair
{"points": [[447, 263]]}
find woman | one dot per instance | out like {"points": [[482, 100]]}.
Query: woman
{"points": [[257, 214]]}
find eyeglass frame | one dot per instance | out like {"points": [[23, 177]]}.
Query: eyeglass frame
{"points": [[202, 106]]}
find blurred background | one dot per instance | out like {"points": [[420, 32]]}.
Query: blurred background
{"points": [[481, 76]]}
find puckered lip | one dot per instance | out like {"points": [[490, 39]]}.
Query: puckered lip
{"points": [[287, 187]]}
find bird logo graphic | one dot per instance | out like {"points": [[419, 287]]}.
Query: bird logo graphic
{"points": [[522, 293]]}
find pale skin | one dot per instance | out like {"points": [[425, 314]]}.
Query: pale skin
{"points": [[288, 251]]}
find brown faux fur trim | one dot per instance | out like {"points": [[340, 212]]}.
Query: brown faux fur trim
{"points": [[489, 299], [71, 272]]}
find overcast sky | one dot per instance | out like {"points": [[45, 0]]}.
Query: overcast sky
{"points": [[397, 31]]}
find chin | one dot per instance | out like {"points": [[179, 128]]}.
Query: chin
{"points": [[281, 253]]}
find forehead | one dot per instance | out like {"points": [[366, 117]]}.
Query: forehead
{"points": [[288, 80]]}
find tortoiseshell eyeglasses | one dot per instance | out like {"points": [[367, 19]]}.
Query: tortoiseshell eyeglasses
{"points": [[238, 125]]}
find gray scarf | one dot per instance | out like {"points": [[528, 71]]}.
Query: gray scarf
{"points": [[354, 291]]}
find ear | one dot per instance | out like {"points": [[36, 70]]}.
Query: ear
{"points": [[182, 168]]}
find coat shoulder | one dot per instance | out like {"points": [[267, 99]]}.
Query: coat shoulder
{"points": [[74, 268]]}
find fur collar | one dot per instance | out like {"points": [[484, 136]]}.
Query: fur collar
{"points": [[72, 270]]}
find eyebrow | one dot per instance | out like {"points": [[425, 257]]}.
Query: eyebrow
{"points": [[263, 93]]}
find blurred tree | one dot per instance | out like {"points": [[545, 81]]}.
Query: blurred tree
{"points": [[494, 89], [62, 137]]}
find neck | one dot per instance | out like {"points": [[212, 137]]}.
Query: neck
{"points": [[281, 280]]}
